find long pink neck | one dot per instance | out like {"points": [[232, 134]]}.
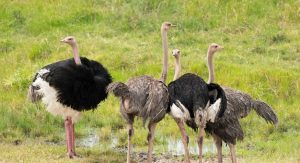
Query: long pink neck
{"points": [[76, 54], [210, 65], [164, 72], [177, 67]]}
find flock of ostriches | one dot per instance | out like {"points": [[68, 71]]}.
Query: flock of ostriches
{"points": [[71, 86]]}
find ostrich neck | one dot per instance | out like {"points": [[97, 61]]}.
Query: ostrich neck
{"points": [[76, 54], [210, 65], [165, 59], [177, 68]]}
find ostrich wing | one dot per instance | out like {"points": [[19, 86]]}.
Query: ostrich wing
{"points": [[238, 103], [157, 101]]}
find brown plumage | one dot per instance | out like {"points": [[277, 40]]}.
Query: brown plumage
{"points": [[144, 97], [239, 104], [227, 127]]}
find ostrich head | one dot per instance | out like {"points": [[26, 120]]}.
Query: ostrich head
{"points": [[167, 25], [176, 53], [214, 48], [69, 40]]}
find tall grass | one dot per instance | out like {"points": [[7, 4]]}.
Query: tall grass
{"points": [[261, 57]]}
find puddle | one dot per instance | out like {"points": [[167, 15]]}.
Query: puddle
{"points": [[114, 141], [175, 147], [91, 140]]}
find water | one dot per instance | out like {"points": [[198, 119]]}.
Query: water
{"points": [[91, 140], [114, 141], [175, 147]]}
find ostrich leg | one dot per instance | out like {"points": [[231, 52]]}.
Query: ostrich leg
{"points": [[200, 143], [130, 134], [150, 138], [185, 139], [68, 124], [232, 152], [218, 142], [73, 137]]}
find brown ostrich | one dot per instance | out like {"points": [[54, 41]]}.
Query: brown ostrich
{"points": [[228, 128], [144, 97]]}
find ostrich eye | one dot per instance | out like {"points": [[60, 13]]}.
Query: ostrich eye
{"points": [[216, 46], [70, 39]]}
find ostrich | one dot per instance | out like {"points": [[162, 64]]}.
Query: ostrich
{"points": [[144, 97], [69, 87], [190, 103], [228, 128]]}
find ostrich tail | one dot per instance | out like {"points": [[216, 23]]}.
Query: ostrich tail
{"points": [[265, 111], [217, 91], [32, 95], [118, 89]]}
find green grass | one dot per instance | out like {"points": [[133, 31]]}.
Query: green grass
{"points": [[261, 57], [41, 152]]}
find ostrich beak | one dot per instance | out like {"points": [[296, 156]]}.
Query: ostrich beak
{"points": [[62, 40], [173, 25], [221, 47]]}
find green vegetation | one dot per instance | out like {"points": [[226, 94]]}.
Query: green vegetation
{"points": [[261, 57]]}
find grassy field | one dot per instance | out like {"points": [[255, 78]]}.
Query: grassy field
{"points": [[261, 57]]}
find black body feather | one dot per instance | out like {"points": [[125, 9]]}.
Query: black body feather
{"points": [[194, 93], [190, 90], [81, 87]]}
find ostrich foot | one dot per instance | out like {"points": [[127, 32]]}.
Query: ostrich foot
{"points": [[72, 155]]}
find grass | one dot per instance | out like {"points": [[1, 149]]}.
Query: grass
{"points": [[41, 152], [261, 57]]}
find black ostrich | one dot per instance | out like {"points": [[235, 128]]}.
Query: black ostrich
{"points": [[144, 97], [191, 103], [69, 87], [227, 128]]}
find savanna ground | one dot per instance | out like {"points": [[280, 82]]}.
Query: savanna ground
{"points": [[261, 57]]}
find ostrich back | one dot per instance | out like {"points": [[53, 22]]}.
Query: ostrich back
{"points": [[191, 91], [239, 103], [81, 87], [148, 99]]}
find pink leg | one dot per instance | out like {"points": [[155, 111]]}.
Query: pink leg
{"points": [[73, 137], [68, 124], [200, 142], [67, 134], [185, 140]]}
